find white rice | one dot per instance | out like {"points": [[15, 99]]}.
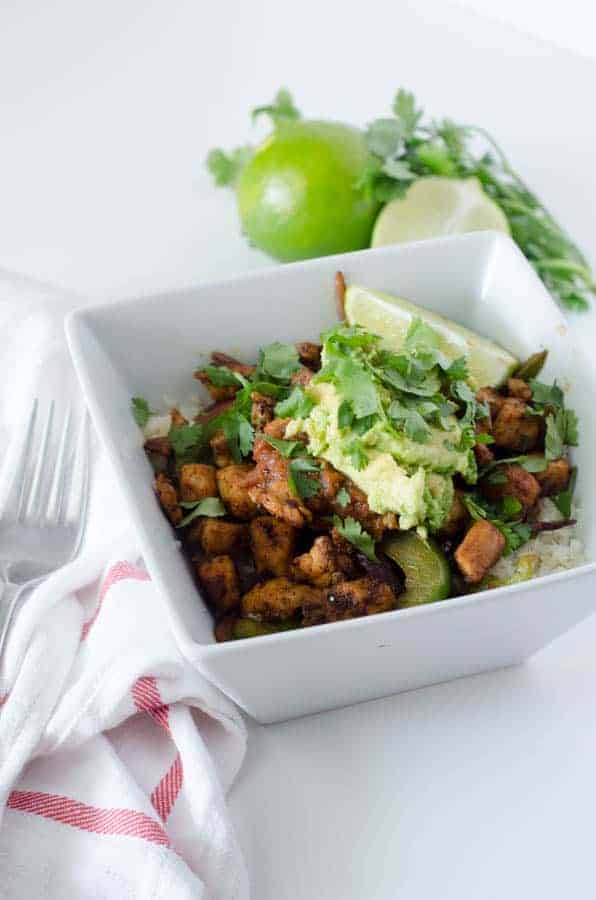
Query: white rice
{"points": [[549, 551]]}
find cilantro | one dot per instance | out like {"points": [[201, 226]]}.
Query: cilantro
{"points": [[186, 437], [554, 441], [226, 167], [571, 428], [208, 506], [458, 370], [496, 477], [357, 454], [140, 411], [564, 500], [299, 480], [484, 438], [404, 110], [222, 376], [511, 507], [279, 360], [353, 532], [546, 395], [238, 432], [354, 384], [285, 448], [297, 406], [411, 420], [345, 414], [343, 498], [281, 110], [515, 533]]}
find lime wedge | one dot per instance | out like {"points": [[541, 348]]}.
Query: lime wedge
{"points": [[390, 317], [428, 577], [432, 207]]}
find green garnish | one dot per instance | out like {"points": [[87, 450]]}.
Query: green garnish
{"points": [[226, 167], [222, 376], [208, 506], [353, 532], [140, 411], [357, 454], [281, 110], [564, 500], [186, 437], [343, 498], [299, 480], [286, 448], [279, 361], [404, 148], [516, 534], [297, 406]]}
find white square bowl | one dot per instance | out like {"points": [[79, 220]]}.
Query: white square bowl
{"points": [[150, 346]]}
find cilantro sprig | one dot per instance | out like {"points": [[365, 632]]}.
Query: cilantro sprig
{"points": [[208, 506], [140, 411], [405, 147], [516, 533], [352, 531]]}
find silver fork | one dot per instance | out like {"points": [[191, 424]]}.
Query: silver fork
{"points": [[42, 521]]}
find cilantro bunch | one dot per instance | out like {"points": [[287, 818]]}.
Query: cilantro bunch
{"points": [[405, 147]]}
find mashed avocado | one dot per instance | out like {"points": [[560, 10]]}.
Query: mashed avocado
{"points": [[412, 479]]}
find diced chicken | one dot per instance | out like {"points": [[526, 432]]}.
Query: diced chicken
{"points": [[302, 376], [222, 455], [351, 599], [279, 598], [326, 503], [310, 354], [214, 410], [168, 498], [457, 518], [554, 478], [515, 428], [177, 418], [492, 398], [272, 542], [482, 546], [222, 359], [219, 580], [268, 484], [160, 445], [261, 411], [511, 480], [484, 455], [517, 387], [216, 537], [197, 481], [224, 392], [323, 565], [232, 483]]}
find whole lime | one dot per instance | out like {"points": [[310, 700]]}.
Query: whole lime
{"points": [[299, 197]]}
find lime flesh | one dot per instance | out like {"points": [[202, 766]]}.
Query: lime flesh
{"points": [[432, 207], [298, 197], [428, 577], [390, 317]]}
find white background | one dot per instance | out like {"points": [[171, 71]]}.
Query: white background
{"points": [[482, 788]]}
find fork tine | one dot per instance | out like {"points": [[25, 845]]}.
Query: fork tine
{"points": [[75, 505], [56, 493], [20, 476], [30, 500]]}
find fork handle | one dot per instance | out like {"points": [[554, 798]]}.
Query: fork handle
{"points": [[9, 600]]}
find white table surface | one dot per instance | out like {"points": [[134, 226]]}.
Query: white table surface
{"points": [[484, 787]]}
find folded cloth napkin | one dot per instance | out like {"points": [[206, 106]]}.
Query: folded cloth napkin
{"points": [[115, 754]]}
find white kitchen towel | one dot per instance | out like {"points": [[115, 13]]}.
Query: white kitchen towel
{"points": [[115, 753]]}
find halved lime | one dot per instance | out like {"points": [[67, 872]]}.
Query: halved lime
{"points": [[428, 577], [432, 207], [390, 317]]}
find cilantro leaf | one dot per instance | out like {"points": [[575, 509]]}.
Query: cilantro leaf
{"points": [[297, 406], [384, 137], [458, 370], [208, 506], [281, 110], [546, 394], [299, 480], [279, 360], [140, 411], [238, 432], [343, 498], [226, 167], [285, 448], [354, 384], [515, 533], [564, 500], [511, 507], [404, 109], [357, 454], [554, 441], [411, 421], [571, 428], [353, 532], [222, 376], [186, 437], [484, 438]]}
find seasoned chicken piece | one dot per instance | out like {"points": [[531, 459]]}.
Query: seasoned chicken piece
{"points": [[310, 354], [554, 478], [349, 600], [197, 481], [323, 565], [511, 480], [232, 482], [224, 392], [457, 518], [216, 537], [219, 580], [214, 410], [302, 376], [279, 598], [517, 387], [177, 417], [224, 629], [222, 455], [168, 498], [515, 428], [261, 411], [492, 398], [482, 546], [272, 542], [268, 484], [326, 503]]}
